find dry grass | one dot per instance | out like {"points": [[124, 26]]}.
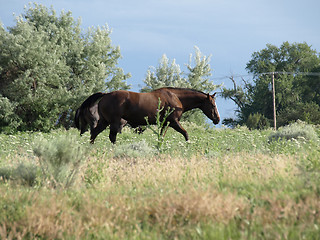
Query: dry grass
{"points": [[174, 210], [170, 172], [163, 194], [53, 217], [288, 210]]}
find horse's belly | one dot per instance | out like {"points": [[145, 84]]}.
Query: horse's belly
{"points": [[138, 118]]}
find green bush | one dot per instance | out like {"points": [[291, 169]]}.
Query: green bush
{"points": [[5, 173], [60, 160], [24, 173], [133, 150], [8, 119], [257, 121], [307, 112], [298, 130]]}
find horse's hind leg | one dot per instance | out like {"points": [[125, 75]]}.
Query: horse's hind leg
{"points": [[98, 129], [165, 129], [114, 129]]}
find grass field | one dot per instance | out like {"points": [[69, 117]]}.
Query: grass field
{"points": [[222, 184]]}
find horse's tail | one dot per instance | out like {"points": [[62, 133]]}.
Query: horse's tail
{"points": [[91, 100], [79, 116]]}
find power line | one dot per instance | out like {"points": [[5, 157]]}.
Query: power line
{"points": [[316, 74], [295, 73], [268, 73]]}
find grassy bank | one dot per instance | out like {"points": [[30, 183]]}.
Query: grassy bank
{"points": [[223, 184]]}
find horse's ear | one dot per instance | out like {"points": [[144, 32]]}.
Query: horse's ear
{"points": [[214, 95], [208, 95]]}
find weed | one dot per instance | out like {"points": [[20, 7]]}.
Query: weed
{"points": [[160, 129]]}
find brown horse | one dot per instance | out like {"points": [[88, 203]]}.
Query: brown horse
{"points": [[135, 107]]}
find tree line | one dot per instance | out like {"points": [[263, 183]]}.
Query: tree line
{"points": [[49, 65], [296, 69]]}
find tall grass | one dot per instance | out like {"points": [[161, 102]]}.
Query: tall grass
{"points": [[223, 184]]}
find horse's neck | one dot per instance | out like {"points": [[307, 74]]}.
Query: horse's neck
{"points": [[190, 100]]}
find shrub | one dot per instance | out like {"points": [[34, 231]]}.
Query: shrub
{"points": [[60, 160], [5, 173], [298, 130], [133, 150], [257, 121], [26, 174], [23, 173], [308, 112]]}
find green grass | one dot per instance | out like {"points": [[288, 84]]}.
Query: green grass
{"points": [[222, 184]]}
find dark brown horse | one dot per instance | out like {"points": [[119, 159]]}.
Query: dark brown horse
{"points": [[135, 107]]}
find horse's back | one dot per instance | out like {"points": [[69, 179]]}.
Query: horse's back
{"points": [[149, 102]]}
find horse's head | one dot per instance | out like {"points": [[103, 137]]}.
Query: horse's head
{"points": [[210, 109]]}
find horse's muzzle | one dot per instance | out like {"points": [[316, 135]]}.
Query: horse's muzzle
{"points": [[216, 120]]}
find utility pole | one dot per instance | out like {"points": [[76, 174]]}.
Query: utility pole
{"points": [[274, 103]]}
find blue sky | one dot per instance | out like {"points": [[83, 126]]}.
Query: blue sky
{"points": [[229, 30]]}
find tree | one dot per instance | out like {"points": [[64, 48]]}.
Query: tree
{"points": [[200, 72], [48, 66], [166, 74], [169, 74], [295, 88]]}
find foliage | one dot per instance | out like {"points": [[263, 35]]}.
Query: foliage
{"points": [[133, 150], [23, 174], [166, 74], [298, 130], [7, 115], [297, 95], [257, 121], [60, 160], [308, 112], [169, 74], [48, 65]]}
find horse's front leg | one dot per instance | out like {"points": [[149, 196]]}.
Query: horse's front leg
{"points": [[165, 129], [177, 126]]}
